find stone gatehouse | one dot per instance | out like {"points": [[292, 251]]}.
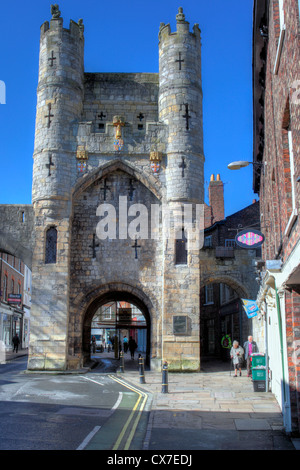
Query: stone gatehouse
{"points": [[111, 150]]}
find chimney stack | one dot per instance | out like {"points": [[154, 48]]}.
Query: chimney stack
{"points": [[216, 198]]}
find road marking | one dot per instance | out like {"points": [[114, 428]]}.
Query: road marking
{"points": [[88, 438], [128, 442], [118, 401], [131, 416], [91, 380], [99, 383]]}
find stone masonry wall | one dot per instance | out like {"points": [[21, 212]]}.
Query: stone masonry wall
{"points": [[114, 260], [16, 232]]}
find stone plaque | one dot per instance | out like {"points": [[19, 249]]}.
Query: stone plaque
{"points": [[179, 325]]}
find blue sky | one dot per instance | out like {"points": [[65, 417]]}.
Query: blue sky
{"points": [[122, 36]]}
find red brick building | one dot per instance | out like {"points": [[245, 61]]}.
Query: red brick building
{"points": [[12, 272], [276, 108]]}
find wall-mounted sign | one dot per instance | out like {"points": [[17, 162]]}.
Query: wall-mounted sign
{"points": [[179, 325], [274, 265], [14, 299], [250, 307], [249, 238], [124, 316]]}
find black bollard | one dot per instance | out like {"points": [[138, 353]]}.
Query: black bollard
{"points": [[165, 378], [141, 370], [122, 362]]}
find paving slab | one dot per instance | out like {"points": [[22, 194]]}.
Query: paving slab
{"points": [[213, 411], [252, 424]]}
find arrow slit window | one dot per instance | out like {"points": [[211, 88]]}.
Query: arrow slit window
{"points": [[51, 245]]}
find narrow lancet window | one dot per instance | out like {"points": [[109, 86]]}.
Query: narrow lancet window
{"points": [[180, 248], [51, 245]]}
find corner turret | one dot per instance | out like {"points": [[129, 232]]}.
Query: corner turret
{"points": [[59, 103], [180, 108]]}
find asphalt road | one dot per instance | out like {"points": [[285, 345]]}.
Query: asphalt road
{"points": [[69, 412]]}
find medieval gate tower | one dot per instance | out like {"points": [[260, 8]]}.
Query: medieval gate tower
{"points": [[112, 149]]}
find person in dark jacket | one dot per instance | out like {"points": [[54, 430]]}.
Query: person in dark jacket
{"points": [[132, 346], [250, 347], [93, 343], [16, 342]]}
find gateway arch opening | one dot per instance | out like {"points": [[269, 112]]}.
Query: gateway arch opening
{"points": [[112, 324], [222, 320]]}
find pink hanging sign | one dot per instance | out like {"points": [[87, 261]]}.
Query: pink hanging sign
{"points": [[250, 238]]}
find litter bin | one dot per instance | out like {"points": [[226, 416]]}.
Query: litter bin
{"points": [[259, 375], [258, 359], [259, 386]]}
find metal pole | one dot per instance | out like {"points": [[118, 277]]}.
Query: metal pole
{"points": [[141, 370], [116, 342], [122, 362], [165, 378]]}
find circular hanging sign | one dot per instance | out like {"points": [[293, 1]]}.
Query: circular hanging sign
{"points": [[250, 238]]}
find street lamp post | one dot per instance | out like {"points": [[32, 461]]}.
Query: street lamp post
{"points": [[242, 164]]}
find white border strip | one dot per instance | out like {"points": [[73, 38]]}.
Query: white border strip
{"points": [[88, 438]]}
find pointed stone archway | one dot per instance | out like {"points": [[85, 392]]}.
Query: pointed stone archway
{"points": [[241, 289], [144, 177]]}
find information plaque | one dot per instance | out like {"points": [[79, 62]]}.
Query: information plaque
{"points": [[179, 325]]}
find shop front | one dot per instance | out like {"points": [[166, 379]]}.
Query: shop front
{"points": [[11, 322]]}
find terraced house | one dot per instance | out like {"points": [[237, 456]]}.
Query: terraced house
{"points": [[276, 106]]}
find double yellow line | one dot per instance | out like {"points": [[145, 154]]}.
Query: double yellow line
{"points": [[137, 409]]}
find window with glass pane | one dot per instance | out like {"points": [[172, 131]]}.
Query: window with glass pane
{"points": [[5, 287], [208, 241], [51, 242], [209, 294], [230, 242]]}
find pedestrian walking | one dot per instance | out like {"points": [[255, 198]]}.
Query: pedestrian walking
{"points": [[94, 344], [132, 346], [16, 342], [237, 357], [250, 347], [125, 344]]}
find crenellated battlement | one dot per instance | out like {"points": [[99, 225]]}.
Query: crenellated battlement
{"points": [[75, 30], [183, 27]]}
